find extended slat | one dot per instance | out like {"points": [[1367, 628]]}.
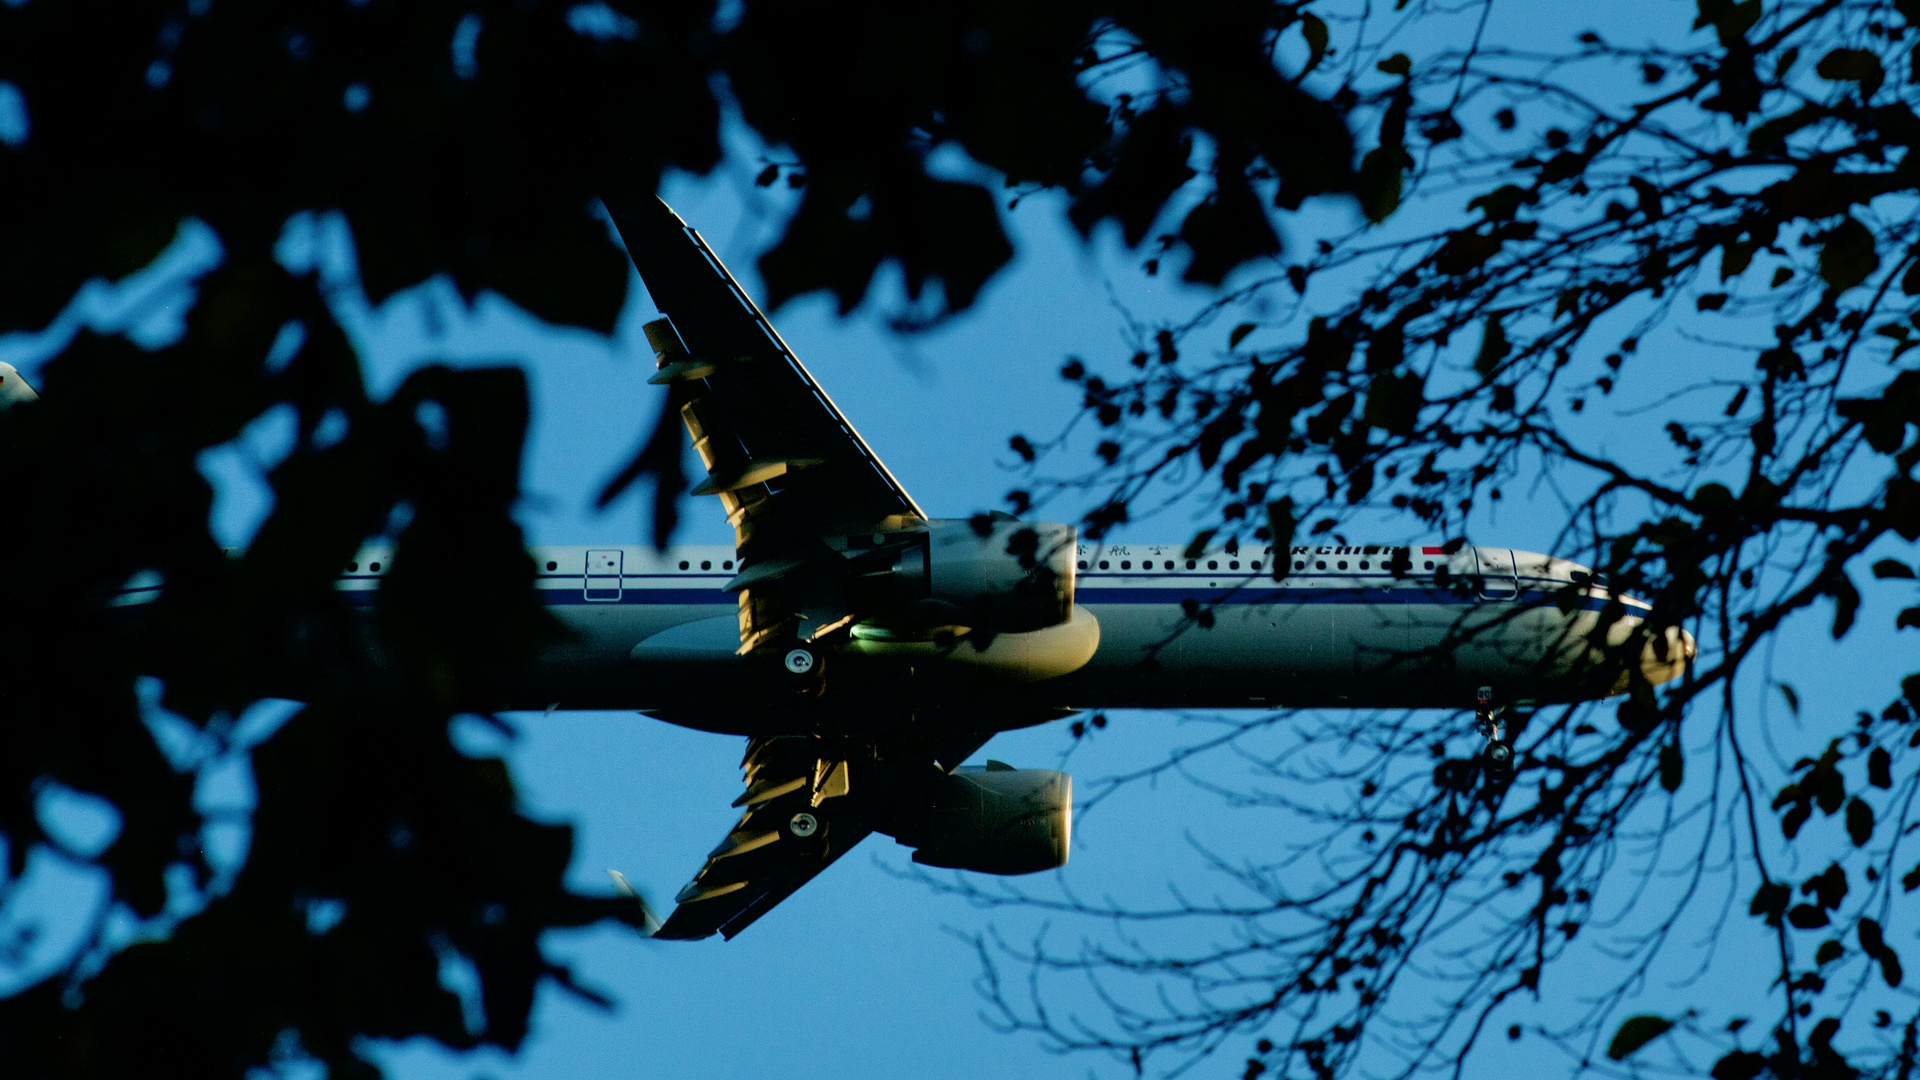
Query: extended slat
{"points": [[753, 472], [694, 893], [750, 843], [761, 572], [682, 371], [768, 794]]}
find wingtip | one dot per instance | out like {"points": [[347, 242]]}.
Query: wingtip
{"points": [[650, 922]]}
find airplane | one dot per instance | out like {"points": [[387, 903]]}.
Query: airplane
{"points": [[866, 650]]}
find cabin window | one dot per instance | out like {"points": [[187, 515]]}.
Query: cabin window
{"points": [[353, 567], [1189, 564], [1365, 565], [551, 565], [1320, 564], [1300, 564], [1169, 565], [1256, 564], [684, 564], [1234, 565], [1429, 564], [1104, 564], [1343, 564], [728, 565], [375, 567], [1213, 564], [706, 564], [1083, 564]]}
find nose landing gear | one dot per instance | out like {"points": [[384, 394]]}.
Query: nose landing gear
{"points": [[1487, 718]]}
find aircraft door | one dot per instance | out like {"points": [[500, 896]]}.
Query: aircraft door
{"points": [[603, 575], [1497, 580]]}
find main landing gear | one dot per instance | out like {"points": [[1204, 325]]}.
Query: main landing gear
{"points": [[1487, 718]]}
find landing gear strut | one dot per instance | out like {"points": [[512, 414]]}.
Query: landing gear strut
{"points": [[1487, 718]]}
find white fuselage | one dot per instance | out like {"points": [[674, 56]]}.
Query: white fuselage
{"points": [[657, 630]]}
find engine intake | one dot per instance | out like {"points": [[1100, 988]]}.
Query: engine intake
{"points": [[998, 820], [993, 573]]}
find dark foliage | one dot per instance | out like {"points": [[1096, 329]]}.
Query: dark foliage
{"points": [[469, 141], [1729, 218]]}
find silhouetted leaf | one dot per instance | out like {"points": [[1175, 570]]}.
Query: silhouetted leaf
{"points": [[1636, 1032], [1394, 402], [1770, 901], [1873, 943], [1501, 203], [1739, 1065], [1493, 347], [1846, 604], [1672, 766], [1859, 822], [1829, 887], [1903, 507], [1381, 172], [1465, 251], [1855, 66], [1871, 940], [1314, 30], [1281, 525], [1847, 255], [1648, 196], [1806, 916]]}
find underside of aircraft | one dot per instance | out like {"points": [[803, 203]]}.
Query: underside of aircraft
{"points": [[866, 650], [871, 649]]}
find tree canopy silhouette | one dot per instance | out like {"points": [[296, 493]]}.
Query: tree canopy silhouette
{"points": [[468, 141], [1720, 226], [1728, 216]]}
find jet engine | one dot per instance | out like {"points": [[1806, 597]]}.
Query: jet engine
{"points": [[997, 820], [990, 573]]}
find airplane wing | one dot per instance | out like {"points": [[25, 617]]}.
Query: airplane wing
{"points": [[786, 463], [797, 822], [799, 818]]}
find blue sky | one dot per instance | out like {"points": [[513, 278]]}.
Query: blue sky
{"points": [[864, 972], [861, 973]]}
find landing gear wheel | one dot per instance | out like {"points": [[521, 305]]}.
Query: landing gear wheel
{"points": [[1499, 753], [1500, 757], [803, 825], [802, 669]]}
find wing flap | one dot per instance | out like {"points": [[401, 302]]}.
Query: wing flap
{"points": [[795, 826], [780, 455]]}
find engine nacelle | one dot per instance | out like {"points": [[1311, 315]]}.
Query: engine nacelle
{"points": [[997, 820], [996, 574]]}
